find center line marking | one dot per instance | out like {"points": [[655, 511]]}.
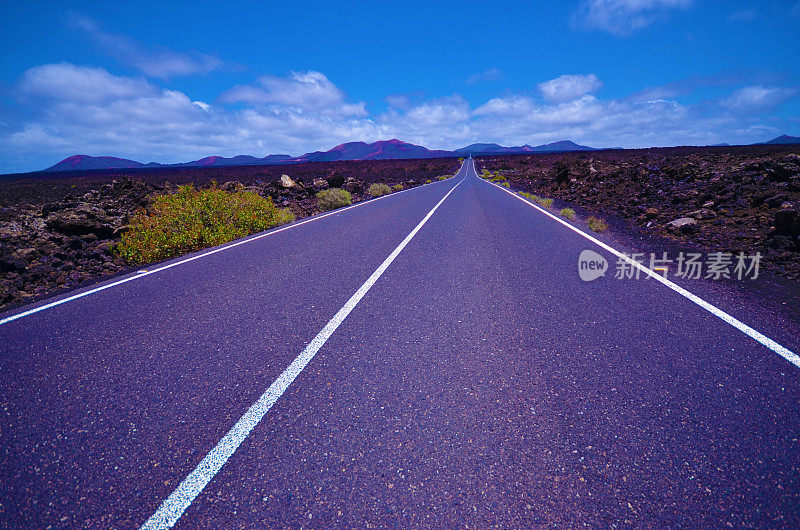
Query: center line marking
{"points": [[173, 507]]}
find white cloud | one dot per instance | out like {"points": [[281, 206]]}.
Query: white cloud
{"points": [[398, 101], [490, 74], [88, 110], [161, 63], [81, 84], [757, 98], [77, 109], [304, 91], [568, 87], [622, 17]]}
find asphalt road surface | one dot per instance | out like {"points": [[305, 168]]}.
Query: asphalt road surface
{"points": [[430, 358]]}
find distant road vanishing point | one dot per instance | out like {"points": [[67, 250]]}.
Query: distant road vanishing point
{"points": [[428, 358]]}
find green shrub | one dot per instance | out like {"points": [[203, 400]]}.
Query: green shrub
{"points": [[443, 177], [428, 181], [597, 225], [376, 190], [541, 201], [397, 187], [333, 198], [192, 219], [505, 184], [569, 213]]}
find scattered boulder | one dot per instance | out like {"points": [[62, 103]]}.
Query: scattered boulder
{"points": [[651, 213], [787, 222], [336, 180], [353, 185], [703, 213], [287, 182], [85, 219], [561, 174], [684, 224], [776, 200], [232, 187], [320, 184]]}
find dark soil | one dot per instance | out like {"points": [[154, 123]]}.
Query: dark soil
{"points": [[731, 199], [59, 230]]}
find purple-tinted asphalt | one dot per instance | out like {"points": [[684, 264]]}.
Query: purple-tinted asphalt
{"points": [[478, 382]]}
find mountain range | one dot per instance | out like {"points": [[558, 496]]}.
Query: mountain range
{"points": [[382, 150], [386, 149]]}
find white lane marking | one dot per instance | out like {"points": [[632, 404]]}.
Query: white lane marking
{"points": [[714, 310], [142, 273], [173, 507]]}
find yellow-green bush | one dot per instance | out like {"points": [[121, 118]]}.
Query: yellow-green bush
{"points": [[376, 190], [541, 201], [596, 224], [192, 219], [333, 198], [569, 213], [397, 187]]}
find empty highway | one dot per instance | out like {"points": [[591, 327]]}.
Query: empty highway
{"points": [[429, 358]]}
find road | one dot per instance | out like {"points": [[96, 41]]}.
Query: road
{"points": [[430, 358]]}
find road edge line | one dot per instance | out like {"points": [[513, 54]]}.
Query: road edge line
{"points": [[135, 275], [784, 352]]}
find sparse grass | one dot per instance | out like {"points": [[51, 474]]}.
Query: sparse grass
{"points": [[597, 225], [192, 219], [397, 187], [569, 213], [333, 198], [495, 177], [505, 184], [541, 201], [376, 190], [444, 177]]}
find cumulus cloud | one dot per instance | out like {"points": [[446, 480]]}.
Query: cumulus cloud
{"points": [[161, 63], [757, 98], [568, 87], [304, 91], [622, 17], [81, 84], [88, 110], [490, 74], [73, 109]]}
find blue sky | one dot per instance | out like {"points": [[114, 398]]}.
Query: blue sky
{"points": [[171, 82]]}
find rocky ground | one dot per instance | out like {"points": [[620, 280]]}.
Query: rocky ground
{"points": [[59, 231], [721, 199]]}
